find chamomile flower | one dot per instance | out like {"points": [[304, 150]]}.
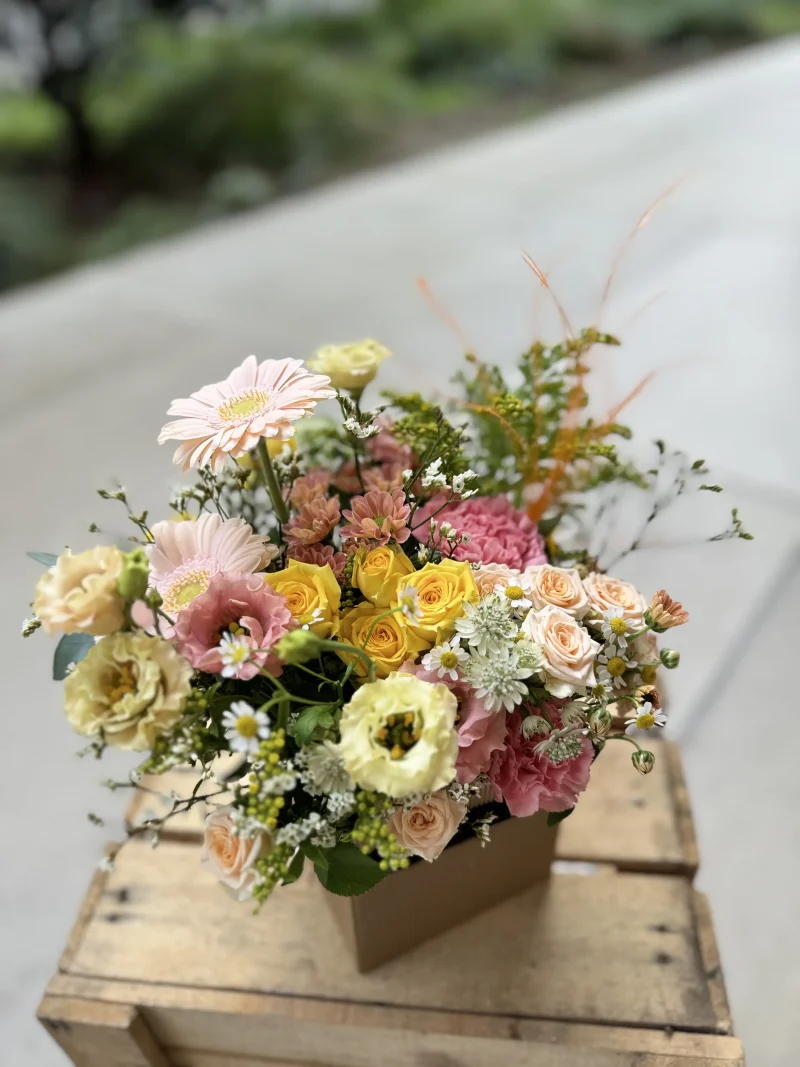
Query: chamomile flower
{"points": [[245, 728], [647, 717], [234, 650], [446, 659], [488, 626], [615, 629], [611, 667], [498, 679], [517, 596], [408, 602]]}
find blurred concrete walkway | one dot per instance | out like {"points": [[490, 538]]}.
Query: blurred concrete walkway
{"points": [[91, 361]]}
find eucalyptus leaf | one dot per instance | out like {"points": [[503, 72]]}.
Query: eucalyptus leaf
{"points": [[349, 872], [70, 649], [555, 817], [47, 559]]}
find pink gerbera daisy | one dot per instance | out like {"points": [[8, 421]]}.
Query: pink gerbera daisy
{"points": [[185, 556], [378, 517], [228, 419]]}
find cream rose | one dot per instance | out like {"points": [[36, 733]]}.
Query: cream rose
{"points": [[229, 856], [558, 586], [350, 366], [489, 575], [79, 593], [568, 650], [429, 826], [612, 594]]}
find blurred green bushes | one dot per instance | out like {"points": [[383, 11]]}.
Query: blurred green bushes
{"points": [[189, 125]]}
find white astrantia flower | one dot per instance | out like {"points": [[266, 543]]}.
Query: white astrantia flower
{"points": [[647, 717], [530, 655], [324, 770], [610, 667], [245, 727], [408, 602], [446, 659], [234, 651], [488, 626], [498, 678]]}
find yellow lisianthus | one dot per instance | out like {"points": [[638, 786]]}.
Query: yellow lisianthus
{"points": [[351, 366], [398, 736], [390, 644], [377, 572], [443, 589], [79, 594], [312, 595]]}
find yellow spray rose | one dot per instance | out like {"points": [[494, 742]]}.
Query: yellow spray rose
{"points": [[398, 736], [390, 644], [312, 595], [129, 690], [350, 366], [79, 593], [443, 589], [377, 573]]}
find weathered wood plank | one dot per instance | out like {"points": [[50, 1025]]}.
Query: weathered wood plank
{"points": [[97, 1034]]}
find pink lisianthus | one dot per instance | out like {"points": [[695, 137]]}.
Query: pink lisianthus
{"points": [[322, 555], [528, 782], [313, 522], [378, 517], [481, 733], [309, 487], [498, 532], [244, 602]]}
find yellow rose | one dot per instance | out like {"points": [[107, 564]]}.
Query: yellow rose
{"points": [[398, 736], [390, 644], [350, 366], [443, 589], [128, 690], [79, 593], [312, 595], [377, 573]]}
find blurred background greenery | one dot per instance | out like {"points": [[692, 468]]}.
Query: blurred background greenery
{"points": [[122, 121]]}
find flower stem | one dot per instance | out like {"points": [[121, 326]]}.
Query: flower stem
{"points": [[624, 737], [271, 482], [343, 646]]}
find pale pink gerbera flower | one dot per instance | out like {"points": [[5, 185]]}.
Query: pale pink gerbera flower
{"points": [[313, 522], [307, 488], [228, 419], [378, 517], [321, 555], [185, 556]]}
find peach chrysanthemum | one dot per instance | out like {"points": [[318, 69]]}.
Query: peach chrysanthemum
{"points": [[313, 522], [378, 517], [664, 613], [185, 556], [385, 478], [228, 419], [309, 487], [322, 555]]}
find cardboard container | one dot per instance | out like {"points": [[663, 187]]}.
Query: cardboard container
{"points": [[411, 906]]}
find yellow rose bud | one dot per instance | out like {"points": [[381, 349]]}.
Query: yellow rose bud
{"points": [[79, 593], [312, 595], [352, 366], [377, 573], [443, 589], [389, 644]]}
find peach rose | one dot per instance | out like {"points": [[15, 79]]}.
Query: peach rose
{"points": [[229, 856], [612, 594], [568, 650], [490, 575], [429, 826], [79, 593], [557, 586]]}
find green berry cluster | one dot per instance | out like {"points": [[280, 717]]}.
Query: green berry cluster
{"points": [[190, 740], [272, 869], [372, 834], [257, 802]]}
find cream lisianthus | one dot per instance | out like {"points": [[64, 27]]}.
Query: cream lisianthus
{"points": [[312, 595], [398, 736], [351, 366], [79, 594], [129, 690]]}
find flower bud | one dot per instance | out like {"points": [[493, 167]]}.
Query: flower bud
{"points": [[132, 581], [600, 723], [670, 658], [664, 613], [299, 646], [643, 761]]}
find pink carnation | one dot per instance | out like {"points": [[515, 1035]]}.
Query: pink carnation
{"points": [[245, 601], [480, 732], [528, 782], [321, 555], [313, 522], [309, 488], [378, 517], [498, 532]]}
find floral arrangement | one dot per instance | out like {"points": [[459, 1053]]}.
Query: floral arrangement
{"points": [[382, 621]]}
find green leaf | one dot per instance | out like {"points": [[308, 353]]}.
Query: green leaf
{"points": [[712, 488], [349, 872], [295, 868], [315, 854], [555, 817], [70, 649], [309, 719], [546, 526], [47, 559]]}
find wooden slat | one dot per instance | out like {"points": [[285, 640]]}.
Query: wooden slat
{"points": [[616, 948], [632, 822], [95, 1034]]}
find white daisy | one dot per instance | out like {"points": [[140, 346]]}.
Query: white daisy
{"points": [[517, 596], [245, 728], [488, 626], [408, 602], [615, 629], [610, 668], [446, 659], [234, 651], [307, 621], [647, 717], [498, 679]]}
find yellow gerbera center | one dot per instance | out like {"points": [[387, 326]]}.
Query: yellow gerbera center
{"points": [[247, 726], [399, 734], [616, 666], [448, 660], [618, 626], [126, 683], [515, 592], [244, 405], [646, 720], [185, 590]]}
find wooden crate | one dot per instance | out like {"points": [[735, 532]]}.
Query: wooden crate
{"points": [[611, 964]]}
